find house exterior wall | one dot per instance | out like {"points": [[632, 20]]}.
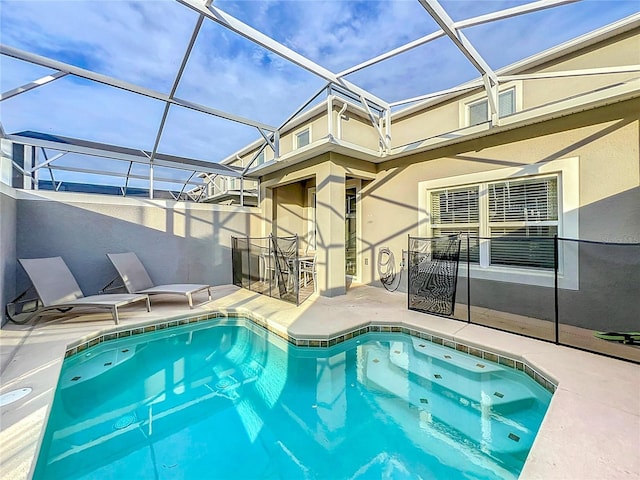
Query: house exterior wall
{"points": [[426, 123], [177, 242], [356, 129], [289, 219], [319, 129], [604, 141]]}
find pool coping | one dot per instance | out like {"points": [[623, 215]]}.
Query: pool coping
{"points": [[596, 404], [119, 332]]}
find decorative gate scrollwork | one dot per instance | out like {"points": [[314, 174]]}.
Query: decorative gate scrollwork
{"points": [[433, 274]]}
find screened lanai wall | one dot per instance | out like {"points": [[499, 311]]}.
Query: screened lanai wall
{"points": [[369, 140], [228, 76]]}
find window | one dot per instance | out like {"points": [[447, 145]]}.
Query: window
{"points": [[233, 183], [260, 159], [519, 210], [478, 112], [302, 138], [516, 220]]}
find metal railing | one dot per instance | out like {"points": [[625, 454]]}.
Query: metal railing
{"points": [[576, 293], [271, 266]]}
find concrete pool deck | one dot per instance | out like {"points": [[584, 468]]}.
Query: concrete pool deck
{"points": [[591, 430]]}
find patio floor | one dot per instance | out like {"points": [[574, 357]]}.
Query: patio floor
{"points": [[591, 431]]}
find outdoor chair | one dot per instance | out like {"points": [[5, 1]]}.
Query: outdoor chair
{"points": [[57, 289], [307, 270], [135, 279]]}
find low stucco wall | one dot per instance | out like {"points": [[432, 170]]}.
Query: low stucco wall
{"points": [[8, 208], [177, 242]]}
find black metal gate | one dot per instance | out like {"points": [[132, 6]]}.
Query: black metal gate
{"points": [[433, 274], [269, 266]]}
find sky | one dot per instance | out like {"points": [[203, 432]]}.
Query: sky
{"points": [[143, 42]]}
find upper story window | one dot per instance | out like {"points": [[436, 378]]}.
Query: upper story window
{"points": [[478, 111], [302, 138], [233, 183], [260, 159]]}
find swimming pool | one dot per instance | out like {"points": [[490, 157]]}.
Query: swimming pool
{"points": [[227, 399]]}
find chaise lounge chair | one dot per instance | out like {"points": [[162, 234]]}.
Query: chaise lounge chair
{"points": [[58, 289], [136, 279]]}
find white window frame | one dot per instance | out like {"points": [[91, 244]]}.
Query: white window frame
{"points": [[297, 133], [464, 117], [568, 172]]}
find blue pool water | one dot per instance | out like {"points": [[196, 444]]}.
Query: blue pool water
{"points": [[231, 401]]}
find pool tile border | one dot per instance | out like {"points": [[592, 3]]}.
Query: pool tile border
{"points": [[119, 332]]}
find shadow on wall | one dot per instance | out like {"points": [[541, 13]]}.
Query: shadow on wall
{"points": [[175, 245], [608, 274]]}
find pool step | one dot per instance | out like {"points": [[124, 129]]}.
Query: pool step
{"points": [[478, 416]]}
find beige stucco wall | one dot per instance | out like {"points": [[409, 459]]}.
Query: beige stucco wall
{"points": [[447, 117], [356, 129], [617, 51], [606, 142], [621, 52], [289, 216], [426, 123]]}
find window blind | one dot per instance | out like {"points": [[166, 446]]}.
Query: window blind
{"points": [[507, 103], [459, 205], [478, 113], [529, 200], [524, 247], [518, 220], [474, 241]]}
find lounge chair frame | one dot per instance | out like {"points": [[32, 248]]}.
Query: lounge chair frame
{"points": [[135, 279], [57, 289]]}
